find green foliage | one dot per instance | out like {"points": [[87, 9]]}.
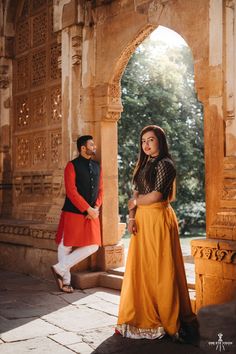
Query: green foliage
{"points": [[158, 88]]}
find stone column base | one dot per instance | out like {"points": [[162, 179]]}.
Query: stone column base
{"points": [[109, 257], [215, 269]]}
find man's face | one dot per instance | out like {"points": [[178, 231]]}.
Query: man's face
{"points": [[90, 148]]}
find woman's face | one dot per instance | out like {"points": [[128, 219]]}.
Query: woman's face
{"points": [[150, 144]]}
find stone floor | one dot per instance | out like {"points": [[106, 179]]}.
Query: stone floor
{"points": [[35, 318]]}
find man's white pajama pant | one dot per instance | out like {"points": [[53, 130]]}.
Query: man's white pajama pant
{"points": [[67, 259]]}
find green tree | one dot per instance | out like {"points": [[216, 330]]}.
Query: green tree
{"points": [[158, 88]]}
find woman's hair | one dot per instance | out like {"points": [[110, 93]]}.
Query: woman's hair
{"points": [[142, 159]]}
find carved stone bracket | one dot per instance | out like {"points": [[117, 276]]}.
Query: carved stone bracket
{"points": [[4, 77], [112, 116], [214, 254], [114, 93], [76, 42], [108, 99], [230, 4]]}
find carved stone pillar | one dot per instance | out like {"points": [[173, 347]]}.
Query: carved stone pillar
{"points": [[215, 261], [108, 110]]}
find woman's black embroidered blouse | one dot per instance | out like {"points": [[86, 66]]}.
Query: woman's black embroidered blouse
{"points": [[165, 174]]}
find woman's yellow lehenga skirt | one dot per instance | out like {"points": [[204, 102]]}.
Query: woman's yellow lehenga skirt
{"points": [[154, 296]]}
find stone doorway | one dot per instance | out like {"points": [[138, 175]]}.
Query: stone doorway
{"points": [[145, 84]]}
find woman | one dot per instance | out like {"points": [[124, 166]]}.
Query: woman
{"points": [[154, 297]]}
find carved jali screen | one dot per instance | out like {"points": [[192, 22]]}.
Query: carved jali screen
{"points": [[37, 92], [36, 100]]}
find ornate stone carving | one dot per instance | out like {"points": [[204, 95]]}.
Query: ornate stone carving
{"points": [[22, 152], [39, 150], [114, 256], [230, 3], [22, 113], [38, 76], [77, 47], [22, 72], [114, 93], [27, 231], [22, 36], [221, 255], [32, 187], [55, 55], [39, 29], [112, 116], [56, 145], [39, 109], [55, 104], [13, 229], [225, 218], [4, 78], [128, 51]]}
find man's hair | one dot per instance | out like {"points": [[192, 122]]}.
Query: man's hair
{"points": [[82, 140]]}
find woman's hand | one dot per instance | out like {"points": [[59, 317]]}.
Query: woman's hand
{"points": [[132, 203], [132, 227]]}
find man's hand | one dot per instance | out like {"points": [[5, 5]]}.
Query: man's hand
{"points": [[93, 213]]}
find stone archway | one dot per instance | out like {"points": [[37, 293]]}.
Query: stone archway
{"points": [[114, 48]]}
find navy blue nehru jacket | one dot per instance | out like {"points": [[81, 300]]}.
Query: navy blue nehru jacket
{"points": [[87, 175]]}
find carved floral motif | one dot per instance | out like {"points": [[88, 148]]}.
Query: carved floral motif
{"points": [[22, 112], [22, 152], [55, 104], [56, 145], [39, 150], [221, 255], [39, 109]]}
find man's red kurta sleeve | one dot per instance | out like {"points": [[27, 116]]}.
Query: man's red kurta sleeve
{"points": [[71, 190], [100, 191]]}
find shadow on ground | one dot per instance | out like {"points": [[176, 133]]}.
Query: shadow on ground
{"points": [[119, 345]]}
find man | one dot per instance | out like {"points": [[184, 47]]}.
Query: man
{"points": [[79, 224]]}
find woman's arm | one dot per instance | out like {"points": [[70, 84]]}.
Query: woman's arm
{"points": [[145, 199], [131, 222]]}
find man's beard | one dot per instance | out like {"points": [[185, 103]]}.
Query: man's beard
{"points": [[90, 152]]}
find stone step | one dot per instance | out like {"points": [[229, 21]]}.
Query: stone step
{"points": [[111, 279], [120, 271]]}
